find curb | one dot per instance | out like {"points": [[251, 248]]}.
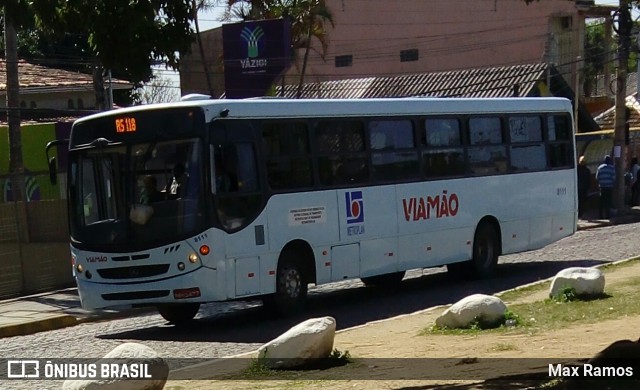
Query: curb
{"points": [[26, 328], [59, 321]]}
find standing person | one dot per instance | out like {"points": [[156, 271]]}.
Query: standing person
{"points": [[606, 177], [635, 183], [584, 180]]}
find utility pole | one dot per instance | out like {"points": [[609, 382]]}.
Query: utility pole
{"points": [[619, 147], [16, 167]]}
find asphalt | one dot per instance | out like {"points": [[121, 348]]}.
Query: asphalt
{"points": [[60, 309]]}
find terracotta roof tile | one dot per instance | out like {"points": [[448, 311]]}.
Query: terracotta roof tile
{"points": [[37, 76]]}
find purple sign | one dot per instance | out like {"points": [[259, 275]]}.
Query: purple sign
{"points": [[255, 54]]}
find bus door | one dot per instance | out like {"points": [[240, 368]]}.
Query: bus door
{"points": [[238, 200]]}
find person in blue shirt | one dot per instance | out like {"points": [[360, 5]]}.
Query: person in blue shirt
{"points": [[606, 177]]}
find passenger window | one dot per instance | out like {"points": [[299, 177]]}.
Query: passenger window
{"points": [[443, 156], [486, 153], [393, 154], [560, 139], [527, 150], [288, 155], [341, 152]]}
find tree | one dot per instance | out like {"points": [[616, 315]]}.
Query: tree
{"points": [[158, 90], [202, 5], [309, 20], [596, 55], [125, 36]]}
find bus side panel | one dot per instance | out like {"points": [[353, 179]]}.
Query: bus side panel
{"points": [[311, 217], [368, 215], [379, 256]]}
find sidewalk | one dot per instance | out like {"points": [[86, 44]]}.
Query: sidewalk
{"points": [[60, 309]]}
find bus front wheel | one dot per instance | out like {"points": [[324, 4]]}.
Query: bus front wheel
{"points": [[291, 287], [179, 313]]}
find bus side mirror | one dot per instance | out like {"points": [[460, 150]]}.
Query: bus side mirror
{"points": [[53, 170], [51, 161]]}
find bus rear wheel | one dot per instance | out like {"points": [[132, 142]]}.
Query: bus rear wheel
{"points": [[291, 287], [485, 251], [179, 313], [387, 280]]}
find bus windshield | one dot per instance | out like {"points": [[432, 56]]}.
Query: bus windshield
{"points": [[136, 194]]}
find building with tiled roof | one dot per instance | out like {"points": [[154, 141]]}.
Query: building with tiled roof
{"points": [[44, 90], [528, 80]]}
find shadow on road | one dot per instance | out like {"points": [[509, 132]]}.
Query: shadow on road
{"points": [[349, 306]]}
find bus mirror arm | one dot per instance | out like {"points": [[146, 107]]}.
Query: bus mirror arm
{"points": [[51, 161]]}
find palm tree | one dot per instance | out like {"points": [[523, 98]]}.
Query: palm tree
{"points": [[202, 5], [309, 20]]}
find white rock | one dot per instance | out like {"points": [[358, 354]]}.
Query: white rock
{"points": [[311, 339], [489, 310], [586, 281], [129, 354]]}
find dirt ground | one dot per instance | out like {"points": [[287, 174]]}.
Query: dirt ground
{"points": [[396, 346]]}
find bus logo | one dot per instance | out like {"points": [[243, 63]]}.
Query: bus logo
{"points": [[252, 37], [355, 207]]}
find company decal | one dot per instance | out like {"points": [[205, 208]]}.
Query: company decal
{"points": [[355, 212], [96, 259], [439, 206], [253, 37], [307, 215]]}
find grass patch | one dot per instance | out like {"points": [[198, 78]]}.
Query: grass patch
{"points": [[566, 309], [502, 347]]}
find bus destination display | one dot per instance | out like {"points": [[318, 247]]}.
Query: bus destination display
{"points": [[125, 125]]}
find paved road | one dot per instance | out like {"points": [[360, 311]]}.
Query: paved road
{"points": [[232, 328]]}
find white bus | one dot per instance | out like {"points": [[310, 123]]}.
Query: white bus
{"points": [[278, 194]]}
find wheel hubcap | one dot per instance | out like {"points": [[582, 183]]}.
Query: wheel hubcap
{"points": [[292, 283]]}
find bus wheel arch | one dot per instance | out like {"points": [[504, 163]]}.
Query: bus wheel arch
{"points": [[487, 246], [296, 269]]}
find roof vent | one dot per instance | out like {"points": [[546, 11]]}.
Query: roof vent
{"points": [[194, 96]]}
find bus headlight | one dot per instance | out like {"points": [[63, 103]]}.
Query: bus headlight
{"points": [[193, 258], [80, 268], [181, 266]]}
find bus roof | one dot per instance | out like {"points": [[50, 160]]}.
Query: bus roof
{"points": [[300, 108]]}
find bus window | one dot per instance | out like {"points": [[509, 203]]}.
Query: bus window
{"points": [[559, 136], [444, 154], [486, 154], [341, 152], [392, 145], [286, 146], [527, 150]]}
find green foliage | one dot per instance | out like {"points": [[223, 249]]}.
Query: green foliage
{"points": [[126, 36], [567, 294], [340, 356], [512, 319]]}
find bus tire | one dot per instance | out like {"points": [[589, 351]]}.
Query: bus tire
{"points": [[486, 250], [387, 280], [291, 287], [179, 313]]}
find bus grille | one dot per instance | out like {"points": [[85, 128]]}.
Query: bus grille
{"points": [[135, 295], [142, 271]]}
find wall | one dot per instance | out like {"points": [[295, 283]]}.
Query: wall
{"points": [[449, 35]]}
